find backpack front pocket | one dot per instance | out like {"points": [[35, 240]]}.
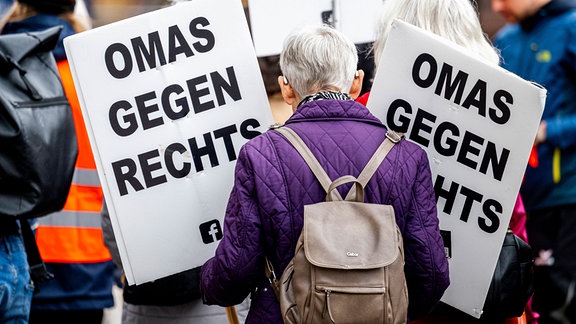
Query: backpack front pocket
{"points": [[339, 304]]}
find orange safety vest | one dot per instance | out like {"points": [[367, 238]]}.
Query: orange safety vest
{"points": [[74, 234]]}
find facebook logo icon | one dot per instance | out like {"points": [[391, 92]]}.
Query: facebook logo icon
{"points": [[211, 231]]}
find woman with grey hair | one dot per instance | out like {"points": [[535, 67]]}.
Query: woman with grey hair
{"points": [[272, 182]]}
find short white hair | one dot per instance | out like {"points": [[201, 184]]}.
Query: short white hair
{"points": [[455, 20], [318, 57]]}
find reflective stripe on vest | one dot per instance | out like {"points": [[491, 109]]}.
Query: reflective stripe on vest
{"points": [[72, 219], [74, 235], [86, 177]]}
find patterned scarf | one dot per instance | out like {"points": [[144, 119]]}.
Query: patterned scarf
{"points": [[325, 95]]}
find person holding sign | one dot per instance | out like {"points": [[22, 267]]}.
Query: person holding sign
{"points": [[272, 183], [539, 44], [458, 22], [174, 299], [70, 241]]}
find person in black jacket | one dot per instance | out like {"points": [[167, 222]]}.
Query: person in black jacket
{"points": [[169, 300]]}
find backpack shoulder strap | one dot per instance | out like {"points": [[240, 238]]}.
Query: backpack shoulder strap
{"points": [[309, 157], [390, 140]]}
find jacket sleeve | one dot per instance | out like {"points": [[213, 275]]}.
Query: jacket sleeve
{"points": [[426, 265], [561, 125], [108, 236], [228, 277]]}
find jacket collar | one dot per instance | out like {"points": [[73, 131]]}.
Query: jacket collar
{"points": [[323, 95], [324, 110], [551, 9]]}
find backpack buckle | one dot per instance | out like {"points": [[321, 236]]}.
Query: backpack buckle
{"points": [[276, 126], [394, 136], [270, 274]]}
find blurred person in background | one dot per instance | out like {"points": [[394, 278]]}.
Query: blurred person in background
{"points": [[458, 22], [539, 44], [16, 286], [70, 241]]}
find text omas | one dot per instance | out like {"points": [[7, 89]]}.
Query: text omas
{"points": [[176, 44]]}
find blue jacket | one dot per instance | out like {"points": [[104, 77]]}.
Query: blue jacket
{"points": [[272, 185], [542, 49]]}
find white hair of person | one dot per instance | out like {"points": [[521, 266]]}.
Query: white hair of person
{"points": [[81, 11], [316, 58], [455, 20]]}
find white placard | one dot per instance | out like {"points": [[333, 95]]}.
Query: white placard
{"points": [[272, 20], [168, 98], [477, 123]]}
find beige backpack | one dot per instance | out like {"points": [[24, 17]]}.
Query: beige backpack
{"points": [[349, 261]]}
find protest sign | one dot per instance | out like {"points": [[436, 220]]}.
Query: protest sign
{"points": [[168, 98], [272, 20], [477, 123]]}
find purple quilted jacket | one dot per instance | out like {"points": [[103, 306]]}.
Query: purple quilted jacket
{"points": [[273, 183]]}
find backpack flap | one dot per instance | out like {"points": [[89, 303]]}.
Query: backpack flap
{"points": [[37, 132], [18, 46], [350, 235]]}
